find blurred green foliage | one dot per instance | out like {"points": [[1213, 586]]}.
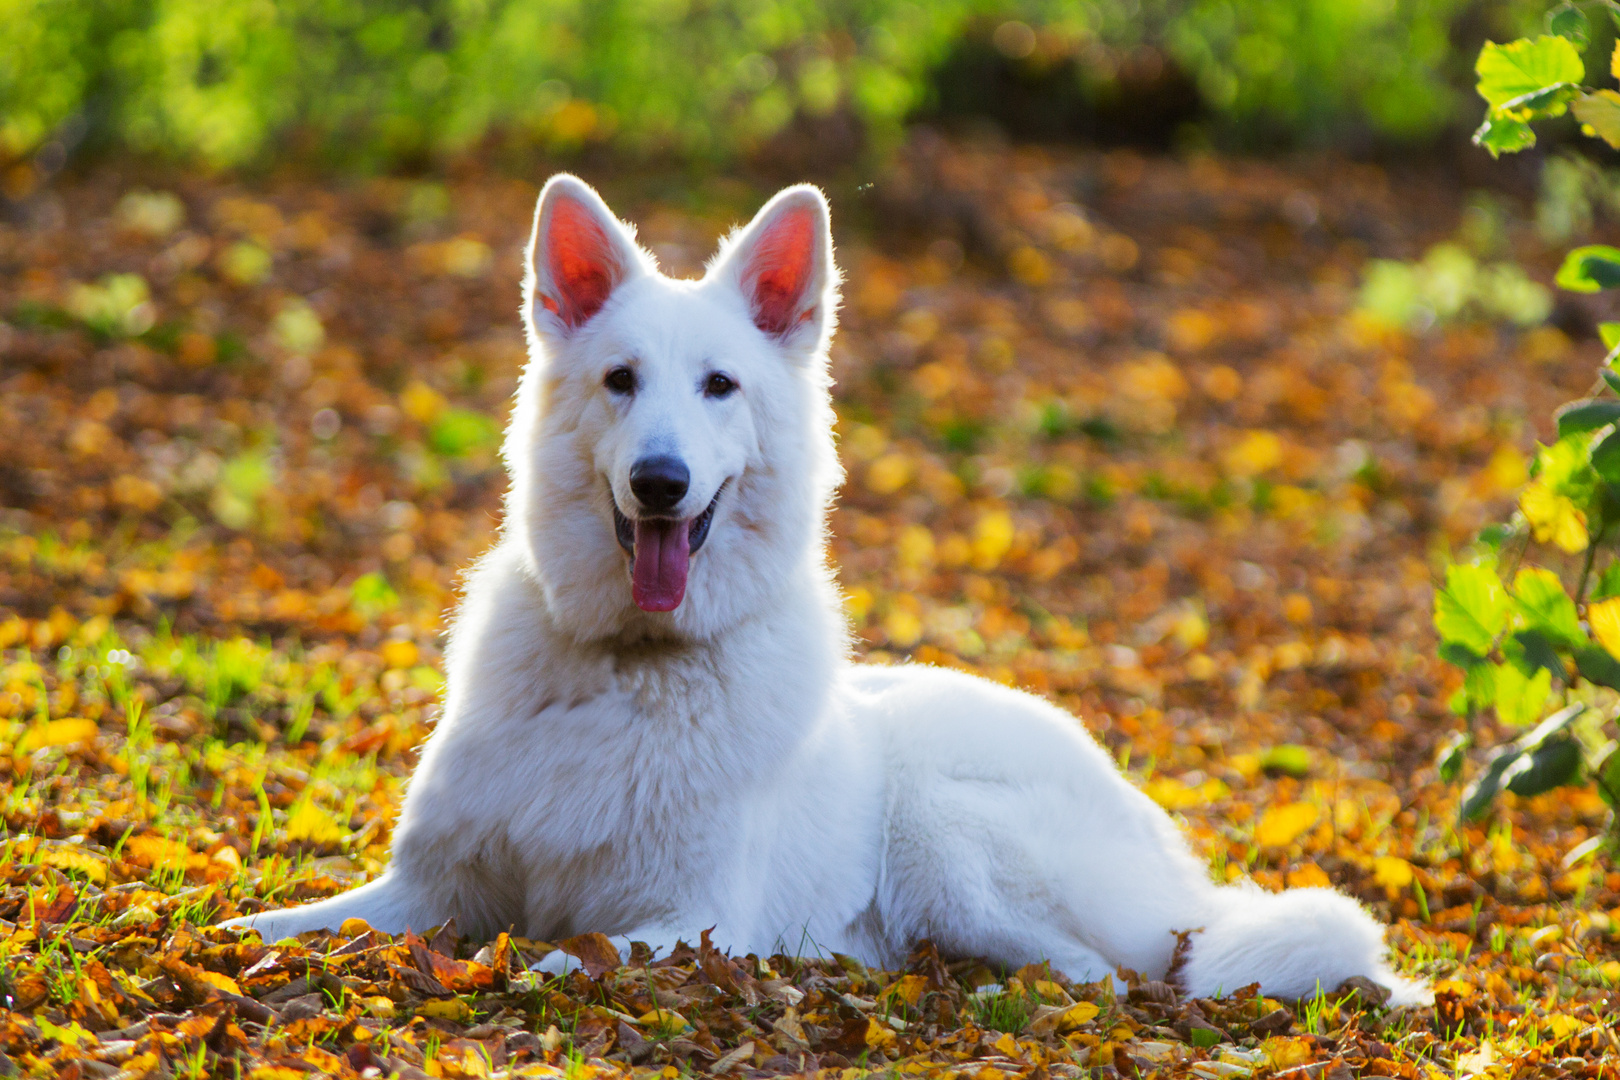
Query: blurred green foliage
{"points": [[383, 81]]}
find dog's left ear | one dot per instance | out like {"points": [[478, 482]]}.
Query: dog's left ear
{"points": [[782, 264]]}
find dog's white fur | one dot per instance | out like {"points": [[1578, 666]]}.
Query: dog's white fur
{"points": [[726, 764]]}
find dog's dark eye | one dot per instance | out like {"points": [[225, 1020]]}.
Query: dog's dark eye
{"points": [[719, 385], [621, 380]]}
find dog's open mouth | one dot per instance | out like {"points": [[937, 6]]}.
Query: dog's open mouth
{"points": [[659, 550]]}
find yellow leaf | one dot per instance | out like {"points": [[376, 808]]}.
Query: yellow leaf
{"points": [[1191, 629], [1614, 61], [1282, 825], [65, 732], [219, 981], [903, 627], [1604, 618], [71, 1034], [1505, 472], [453, 1009], [400, 654], [1006, 1045], [888, 474], [353, 928], [880, 1035], [992, 539], [1553, 518], [909, 989], [1285, 1053], [1051, 990], [915, 548], [151, 850], [1478, 1062], [67, 858], [1454, 986], [1065, 1020], [857, 602], [1029, 266], [1562, 1025], [1392, 872], [421, 402], [1171, 793], [663, 1019], [310, 822], [1308, 876], [1255, 453]]}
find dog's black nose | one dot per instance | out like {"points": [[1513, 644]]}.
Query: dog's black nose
{"points": [[659, 482]]}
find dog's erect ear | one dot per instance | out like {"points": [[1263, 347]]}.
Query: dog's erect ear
{"points": [[578, 254], [782, 263]]}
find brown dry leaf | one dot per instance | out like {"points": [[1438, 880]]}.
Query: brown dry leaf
{"points": [[594, 951]]}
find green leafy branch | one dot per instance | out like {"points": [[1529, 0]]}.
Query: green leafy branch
{"points": [[1524, 642], [1541, 78]]}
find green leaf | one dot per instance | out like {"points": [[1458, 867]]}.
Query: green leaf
{"points": [[1540, 597], [1565, 468], [1600, 111], [1519, 698], [371, 594], [1546, 102], [1478, 795], [1459, 655], [1504, 135], [1479, 685], [459, 432], [1485, 787], [1607, 775], [1606, 457], [1610, 379], [1472, 608], [1531, 650], [1494, 535], [1288, 759], [1596, 665], [1569, 21], [1610, 333], [1452, 755], [1551, 764], [1525, 67], [1590, 268], [1586, 415], [1608, 583]]}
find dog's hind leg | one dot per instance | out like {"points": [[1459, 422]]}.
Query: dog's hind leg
{"points": [[389, 904]]}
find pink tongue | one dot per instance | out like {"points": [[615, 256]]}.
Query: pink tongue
{"points": [[658, 578]]}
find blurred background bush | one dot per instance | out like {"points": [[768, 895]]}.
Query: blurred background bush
{"points": [[389, 83]]}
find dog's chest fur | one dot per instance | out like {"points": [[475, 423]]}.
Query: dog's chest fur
{"points": [[639, 763]]}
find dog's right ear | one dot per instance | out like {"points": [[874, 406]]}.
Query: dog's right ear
{"points": [[578, 254]]}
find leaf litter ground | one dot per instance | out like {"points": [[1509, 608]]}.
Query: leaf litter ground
{"points": [[1115, 431]]}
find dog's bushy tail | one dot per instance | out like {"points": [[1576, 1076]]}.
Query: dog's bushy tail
{"points": [[1293, 943]]}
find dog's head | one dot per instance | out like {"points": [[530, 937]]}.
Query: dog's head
{"points": [[670, 449]]}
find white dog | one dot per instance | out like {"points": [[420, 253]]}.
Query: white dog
{"points": [[653, 725]]}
